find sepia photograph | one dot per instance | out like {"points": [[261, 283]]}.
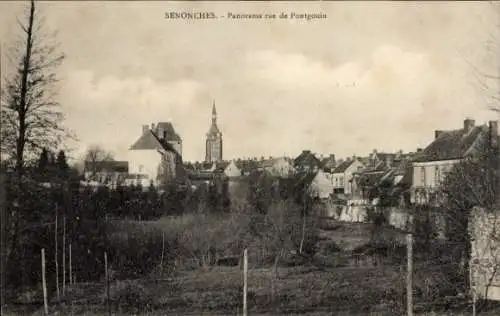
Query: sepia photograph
{"points": [[250, 158]]}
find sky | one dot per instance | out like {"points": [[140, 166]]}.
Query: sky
{"points": [[371, 75]]}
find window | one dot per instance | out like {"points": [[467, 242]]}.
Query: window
{"points": [[422, 175], [437, 175]]}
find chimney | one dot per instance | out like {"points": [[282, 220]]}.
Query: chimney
{"points": [[438, 133], [145, 129], [153, 127], [332, 157], [388, 160], [419, 150], [493, 133], [468, 125]]}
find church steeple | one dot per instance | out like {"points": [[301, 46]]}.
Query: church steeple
{"points": [[214, 140], [214, 114]]}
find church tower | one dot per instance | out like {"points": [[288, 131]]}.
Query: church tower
{"points": [[214, 140]]}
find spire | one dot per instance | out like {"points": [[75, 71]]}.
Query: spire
{"points": [[214, 113]]}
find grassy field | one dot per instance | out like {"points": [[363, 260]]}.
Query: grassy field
{"points": [[320, 287]]}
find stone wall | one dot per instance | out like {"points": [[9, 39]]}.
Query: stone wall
{"points": [[484, 232], [397, 217]]}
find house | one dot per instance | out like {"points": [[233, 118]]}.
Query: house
{"points": [[107, 172], [280, 167], [306, 161], [247, 166], [342, 176], [154, 158], [232, 170], [321, 185], [375, 158], [329, 163], [447, 149], [367, 180]]}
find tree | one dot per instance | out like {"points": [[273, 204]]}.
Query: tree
{"points": [[43, 161], [94, 155], [31, 116], [62, 164], [474, 182]]}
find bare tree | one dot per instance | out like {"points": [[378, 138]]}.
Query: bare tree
{"points": [[488, 80], [31, 116], [94, 155]]}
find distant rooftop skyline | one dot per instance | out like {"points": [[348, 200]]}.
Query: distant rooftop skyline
{"points": [[380, 75]]}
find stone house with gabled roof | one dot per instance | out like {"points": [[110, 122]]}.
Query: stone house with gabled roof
{"points": [[154, 158], [448, 148], [342, 176]]}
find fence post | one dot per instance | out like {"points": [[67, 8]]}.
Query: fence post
{"points": [[70, 267], [162, 251], [245, 280], [473, 292], [64, 255], [409, 287], [44, 284], [56, 258], [106, 276]]}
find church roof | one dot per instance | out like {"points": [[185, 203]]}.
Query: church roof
{"points": [[214, 130]]}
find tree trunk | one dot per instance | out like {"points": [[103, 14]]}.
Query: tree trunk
{"points": [[56, 258], [23, 94], [64, 256]]}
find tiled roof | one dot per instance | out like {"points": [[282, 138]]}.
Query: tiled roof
{"points": [[452, 144], [306, 158], [169, 130], [221, 165], [149, 141], [328, 163], [267, 163], [343, 166], [247, 165], [371, 179], [107, 166]]}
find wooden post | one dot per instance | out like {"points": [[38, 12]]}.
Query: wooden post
{"points": [[472, 290], [162, 250], [64, 256], [409, 287], [70, 267], [44, 284], [245, 280], [56, 259], [108, 307]]}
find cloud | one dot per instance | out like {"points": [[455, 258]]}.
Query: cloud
{"points": [[385, 100], [110, 111]]}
